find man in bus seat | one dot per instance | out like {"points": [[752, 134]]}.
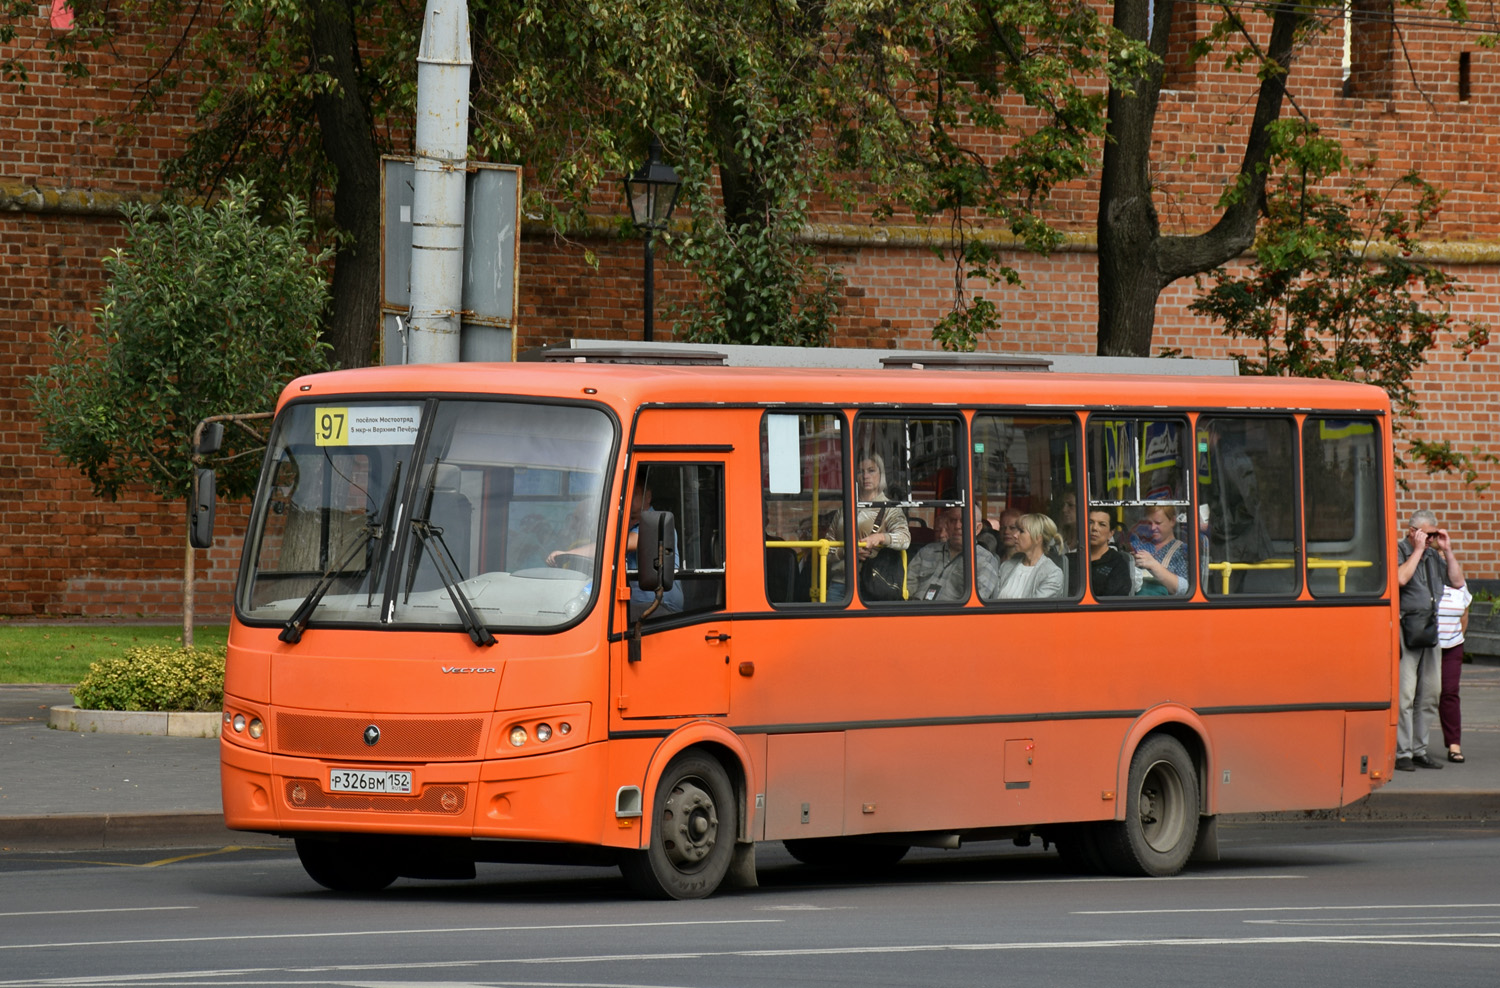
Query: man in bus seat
{"points": [[938, 571], [1109, 568], [1426, 563]]}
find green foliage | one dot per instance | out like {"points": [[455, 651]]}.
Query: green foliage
{"points": [[32, 652], [894, 109], [155, 677], [1337, 288], [206, 312]]}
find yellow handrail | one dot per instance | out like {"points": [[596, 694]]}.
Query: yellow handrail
{"points": [[1342, 565], [823, 545]]}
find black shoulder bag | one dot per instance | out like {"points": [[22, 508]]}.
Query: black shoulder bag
{"points": [[883, 575]]}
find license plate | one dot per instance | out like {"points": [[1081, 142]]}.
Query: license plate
{"points": [[348, 780]]}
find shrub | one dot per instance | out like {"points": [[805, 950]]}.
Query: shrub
{"points": [[155, 677]]}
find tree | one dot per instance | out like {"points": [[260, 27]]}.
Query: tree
{"points": [[892, 108], [1136, 260], [1336, 286], [207, 311]]}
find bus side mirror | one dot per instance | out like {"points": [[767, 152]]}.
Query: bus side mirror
{"points": [[201, 509], [210, 438], [654, 549]]}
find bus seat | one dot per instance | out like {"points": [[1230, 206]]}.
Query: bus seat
{"points": [[781, 575]]}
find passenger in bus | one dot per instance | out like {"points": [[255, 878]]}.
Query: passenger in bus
{"points": [[1031, 573], [1158, 552], [1008, 530], [938, 573], [1109, 568], [876, 526]]}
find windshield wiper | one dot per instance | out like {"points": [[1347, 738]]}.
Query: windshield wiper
{"points": [[291, 632], [385, 526], [447, 569]]}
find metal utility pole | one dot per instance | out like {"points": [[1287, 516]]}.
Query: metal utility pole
{"points": [[437, 240]]}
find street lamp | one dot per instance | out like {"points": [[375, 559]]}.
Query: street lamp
{"points": [[652, 194]]}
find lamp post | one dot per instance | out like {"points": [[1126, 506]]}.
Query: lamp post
{"points": [[652, 194]]}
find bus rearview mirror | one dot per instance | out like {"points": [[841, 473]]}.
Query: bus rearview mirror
{"points": [[654, 551], [201, 509]]}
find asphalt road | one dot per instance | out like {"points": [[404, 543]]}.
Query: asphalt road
{"points": [[1338, 904]]}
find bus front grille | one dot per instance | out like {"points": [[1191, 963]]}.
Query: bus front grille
{"points": [[400, 738], [307, 794]]}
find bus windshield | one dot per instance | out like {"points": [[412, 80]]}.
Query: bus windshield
{"points": [[410, 513]]}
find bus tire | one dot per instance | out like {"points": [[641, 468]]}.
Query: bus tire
{"points": [[692, 832], [1161, 812], [345, 866], [843, 854]]}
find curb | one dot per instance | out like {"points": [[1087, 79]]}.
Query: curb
{"points": [[106, 831], [1458, 805], [177, 724]]}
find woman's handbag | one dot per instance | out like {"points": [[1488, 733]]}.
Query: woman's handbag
{"points": [[883, 575]]}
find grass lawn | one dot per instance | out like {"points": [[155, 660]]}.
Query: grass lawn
{"points": [[35, 653]]}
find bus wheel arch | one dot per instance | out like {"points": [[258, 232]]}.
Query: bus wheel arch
{"points": [[1181, 724], [692, 827], [716, 742], [1163, 806]]}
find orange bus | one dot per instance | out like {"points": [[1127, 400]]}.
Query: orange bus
{"points": [[653, 615]]}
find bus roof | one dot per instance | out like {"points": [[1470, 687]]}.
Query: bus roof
{"points": [[630, 385]]}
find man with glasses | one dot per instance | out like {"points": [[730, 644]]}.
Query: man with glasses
{"points": [[1427, 563]]}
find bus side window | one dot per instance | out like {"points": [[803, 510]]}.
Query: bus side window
{"points": [[694, 494], [1137, 471], [803, 498], [1026, 471], [1247, 505], [1342, 498]]}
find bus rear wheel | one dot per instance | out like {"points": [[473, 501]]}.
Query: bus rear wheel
{"points": [[693, 827], [345, 865], [1161, 812]]}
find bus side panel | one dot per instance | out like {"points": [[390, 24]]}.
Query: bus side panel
{"points": [[980, 775], [1266, 762], [805, 786], [1369, 748], [247, 671]]}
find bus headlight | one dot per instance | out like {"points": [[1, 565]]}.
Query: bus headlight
{"points": [[257, 727], [518, 735], [544, 732], [239, 723]]}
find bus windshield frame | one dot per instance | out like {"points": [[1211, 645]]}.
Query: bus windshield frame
{"points": [[462, 512]]}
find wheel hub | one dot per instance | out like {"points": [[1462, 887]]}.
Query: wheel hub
{"points": [[690, 824]]}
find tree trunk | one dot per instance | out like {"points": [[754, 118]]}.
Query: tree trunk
{"points": [[1135, 261], [187, 590], [350, 145]]}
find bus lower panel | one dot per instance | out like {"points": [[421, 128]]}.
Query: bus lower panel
{"points": [[560, 797]]}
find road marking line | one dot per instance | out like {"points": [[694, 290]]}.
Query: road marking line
{"points": [[386, 933], [76, 912], [1101, 879], [1288, 909]]}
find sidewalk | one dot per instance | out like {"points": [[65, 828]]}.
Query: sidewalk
{"points": [[65, 790]]}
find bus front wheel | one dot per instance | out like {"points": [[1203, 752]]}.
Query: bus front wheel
{"points": [[692, 832], [1161, 812], [345, 865]]}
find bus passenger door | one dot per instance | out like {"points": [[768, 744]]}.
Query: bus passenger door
{"points": [[684, 658]]}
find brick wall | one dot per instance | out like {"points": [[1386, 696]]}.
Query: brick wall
{"points": [[62, 552]]}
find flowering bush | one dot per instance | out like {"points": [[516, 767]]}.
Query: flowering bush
{"points": [[155, 677]]}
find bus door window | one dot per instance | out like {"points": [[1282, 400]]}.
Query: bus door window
{"points": [[803, 495], [694, 494], [1342, 499], [910, 531], [1247, 505], [1026, 471], [1138, 471]]}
